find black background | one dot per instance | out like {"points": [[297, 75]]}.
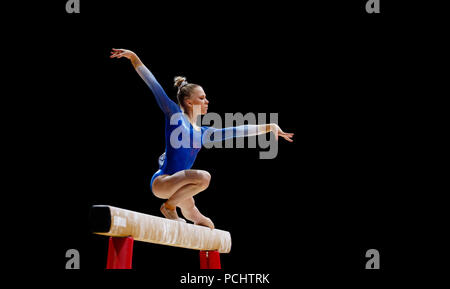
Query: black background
{"points": [[337, 77]]}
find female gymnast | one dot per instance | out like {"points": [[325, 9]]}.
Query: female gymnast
{"points": [[175, 181]]}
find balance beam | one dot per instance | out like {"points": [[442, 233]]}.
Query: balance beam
{"points": [[116, 222]]}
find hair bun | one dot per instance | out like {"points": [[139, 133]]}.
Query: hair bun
{"points": [[180, 81]]}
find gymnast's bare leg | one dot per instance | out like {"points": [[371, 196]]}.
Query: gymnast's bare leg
{"points": [[179, 189]]}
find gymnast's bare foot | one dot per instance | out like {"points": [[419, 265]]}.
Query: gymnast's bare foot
{"points": [[206, 222], [171, 214]]}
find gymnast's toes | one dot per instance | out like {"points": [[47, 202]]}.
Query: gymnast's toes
{"points": [[206, 222]]}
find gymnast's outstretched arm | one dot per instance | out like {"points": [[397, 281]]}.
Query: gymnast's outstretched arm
{"points": [[165, 103], [213, 134]]}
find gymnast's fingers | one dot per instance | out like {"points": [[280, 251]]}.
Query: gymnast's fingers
{"points": [[287, 137], [117, 55]]}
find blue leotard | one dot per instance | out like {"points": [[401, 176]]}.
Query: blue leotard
{"points": [[182, 155]]}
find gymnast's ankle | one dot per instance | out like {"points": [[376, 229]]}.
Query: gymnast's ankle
{"points": [[169, 206]]}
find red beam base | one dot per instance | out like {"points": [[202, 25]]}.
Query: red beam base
{"points": [[120, 253], [210, 260]]}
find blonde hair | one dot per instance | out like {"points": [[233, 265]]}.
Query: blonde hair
{"points": [[184, 89]]}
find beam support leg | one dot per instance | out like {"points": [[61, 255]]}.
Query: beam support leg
{"points": [[120, 253], [210, 260]]}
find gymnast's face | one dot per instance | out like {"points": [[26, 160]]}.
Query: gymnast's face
{"points": [[198, 99]]}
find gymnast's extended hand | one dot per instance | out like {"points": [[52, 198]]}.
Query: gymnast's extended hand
{"points": [[279, 132], [119, 53]]}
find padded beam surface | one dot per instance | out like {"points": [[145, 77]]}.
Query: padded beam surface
{"points": [[116, 222]]}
